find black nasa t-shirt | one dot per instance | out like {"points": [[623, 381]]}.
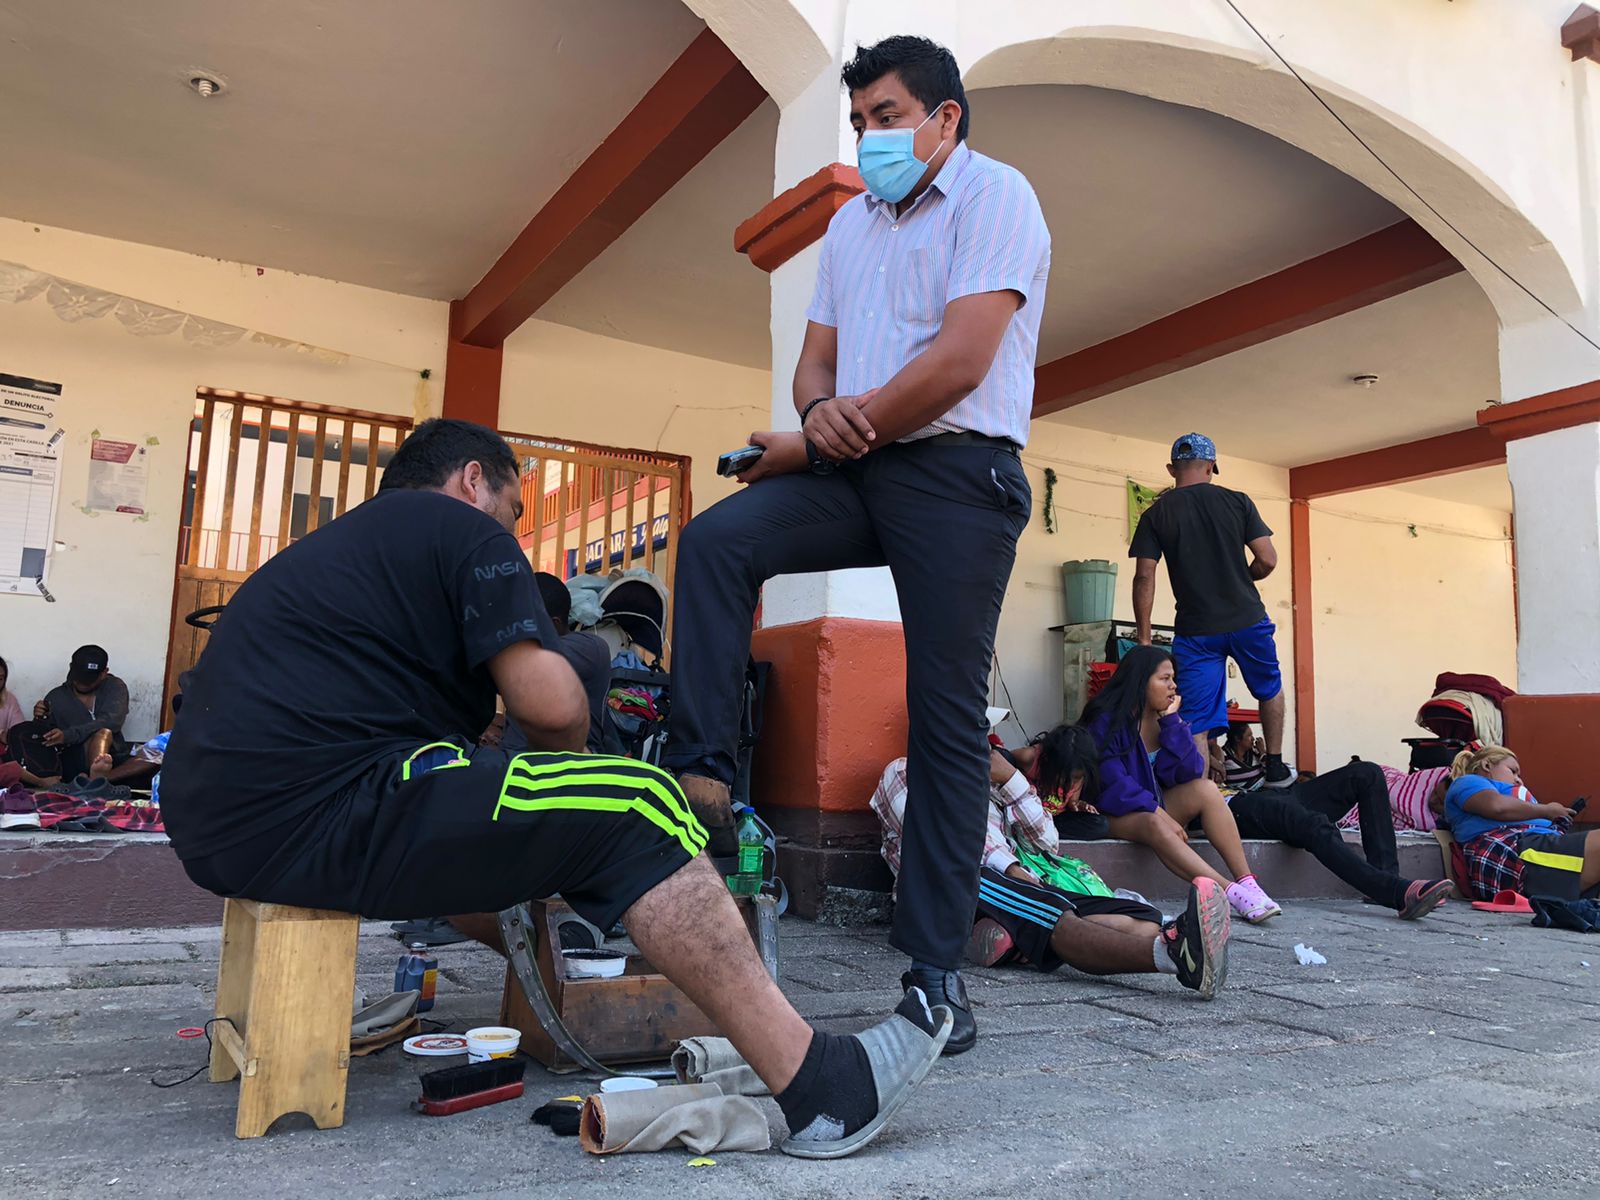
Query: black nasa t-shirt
{"points": [[370, 637], [1203, 530]]}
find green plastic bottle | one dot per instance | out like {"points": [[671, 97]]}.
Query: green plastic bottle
{"points": [[746, 881]]}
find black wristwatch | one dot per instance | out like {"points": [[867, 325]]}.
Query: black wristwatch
{"points": [[818, 464]]}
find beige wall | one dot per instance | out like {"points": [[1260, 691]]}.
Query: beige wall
{"points": [[1394, 609], [112, 574], [558, 382], [1092, 470]]}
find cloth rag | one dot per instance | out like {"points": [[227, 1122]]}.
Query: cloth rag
{"points": [[1487, 720], [714, 1060], [384, 1022], [695, 1116]]}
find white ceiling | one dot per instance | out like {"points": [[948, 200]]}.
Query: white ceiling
{"points": [[1487, 487], [400, 145], [1290, 401], [1153, 207], [406, 153], [674, 280]]}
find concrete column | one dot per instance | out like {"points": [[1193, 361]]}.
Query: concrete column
{"points": [[1553, 457], [836, 709], [1555, 484]]}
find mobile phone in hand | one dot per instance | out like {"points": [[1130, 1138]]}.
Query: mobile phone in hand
{"points": [[738, 460]]}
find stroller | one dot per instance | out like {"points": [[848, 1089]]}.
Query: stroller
{"points": [[1463, 713]]}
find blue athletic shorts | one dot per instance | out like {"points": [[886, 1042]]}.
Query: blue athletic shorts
{"points": [[1202, 664]]}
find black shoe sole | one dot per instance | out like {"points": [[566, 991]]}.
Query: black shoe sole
{"points": [[953, 1047]]}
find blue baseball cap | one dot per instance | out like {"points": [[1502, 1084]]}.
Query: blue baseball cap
{"points": [[1196, 447]]}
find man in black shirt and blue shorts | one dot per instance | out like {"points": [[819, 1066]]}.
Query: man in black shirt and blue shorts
{"points": [[325, 756], [1204, 530]]}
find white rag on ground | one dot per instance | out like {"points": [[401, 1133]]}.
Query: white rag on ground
{"points": [[714, 1060], [697, 1116]]}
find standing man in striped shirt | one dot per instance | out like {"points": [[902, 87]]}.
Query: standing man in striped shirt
{"points": [[914, 390]]}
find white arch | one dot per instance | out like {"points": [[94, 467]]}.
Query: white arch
{"points": [[777, 40], [1256, 91]]}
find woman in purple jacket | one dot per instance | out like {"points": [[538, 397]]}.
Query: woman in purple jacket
{"points": [[1153, 781]]}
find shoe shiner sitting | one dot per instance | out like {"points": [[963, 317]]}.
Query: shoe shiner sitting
{"points": [[412, 611]]}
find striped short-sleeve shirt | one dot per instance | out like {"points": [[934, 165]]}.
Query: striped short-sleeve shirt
{"points": [[884, 280]]}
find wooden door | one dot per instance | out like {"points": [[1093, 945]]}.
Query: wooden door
{"points": [[263, 473], [595, 509]]}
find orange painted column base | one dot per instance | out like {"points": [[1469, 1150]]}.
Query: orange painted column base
{"points": [[835, 715], [1554, 739]]}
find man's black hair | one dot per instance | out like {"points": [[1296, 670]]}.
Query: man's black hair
{"points": [[440, 447], [557, 600], [1065, 751], [927, 69]]}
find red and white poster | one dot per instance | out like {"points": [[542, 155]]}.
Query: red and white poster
{"points": [[119, 477]]}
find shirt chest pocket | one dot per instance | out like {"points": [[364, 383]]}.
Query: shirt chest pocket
{"points": [[919, 283]]}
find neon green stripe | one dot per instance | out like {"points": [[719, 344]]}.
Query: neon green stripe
{"points": [[580, 772], [1556, 862], [688, 824], [461, 761], [601, 804], [586, 767]]}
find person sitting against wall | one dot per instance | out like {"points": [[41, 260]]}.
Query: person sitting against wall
{"points": [[1302, 815], [14, 765], [1153, 780], [1021, 917], [1241, 751], [80, 721], [1509, 840]]}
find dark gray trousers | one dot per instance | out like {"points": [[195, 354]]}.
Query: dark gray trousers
{"points": [[944, 517]]}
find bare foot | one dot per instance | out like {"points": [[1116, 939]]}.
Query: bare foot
{"points": [[100, 767]]}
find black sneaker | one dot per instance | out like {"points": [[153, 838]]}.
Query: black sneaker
{"points": [[1275, 773], [947, 988], [1197, 942]]}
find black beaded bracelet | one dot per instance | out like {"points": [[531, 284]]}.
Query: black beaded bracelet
{"points": [[806, 411]]}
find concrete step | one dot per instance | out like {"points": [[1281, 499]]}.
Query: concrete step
{"points": [[52, 880], [841, 885], [134, 881]]}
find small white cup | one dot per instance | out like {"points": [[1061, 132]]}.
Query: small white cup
{"points": [[626, 1083]]}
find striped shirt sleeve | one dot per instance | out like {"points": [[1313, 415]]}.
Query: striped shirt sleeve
{"points": [[1000, 239], [822, 310]]}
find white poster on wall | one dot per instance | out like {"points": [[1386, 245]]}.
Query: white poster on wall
{"points": [[30, 482], [119, 477]]}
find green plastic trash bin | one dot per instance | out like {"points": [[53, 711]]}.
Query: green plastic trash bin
{"points": [[1090, 586]]}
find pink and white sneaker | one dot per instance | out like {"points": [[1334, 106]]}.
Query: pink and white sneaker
{"points": [[1250, 902]]}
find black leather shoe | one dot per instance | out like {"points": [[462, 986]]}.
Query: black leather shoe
{"points": [[949, 989]]}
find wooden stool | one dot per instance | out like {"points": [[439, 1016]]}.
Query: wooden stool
{"points": [[286, 985]]}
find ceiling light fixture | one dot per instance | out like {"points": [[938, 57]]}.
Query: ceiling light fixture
{"points": [[206, 83], [1365, 380]]}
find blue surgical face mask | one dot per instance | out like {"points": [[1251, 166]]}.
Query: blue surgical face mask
{"points": [[888, 160]]}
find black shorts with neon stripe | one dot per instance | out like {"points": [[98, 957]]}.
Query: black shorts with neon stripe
{"points": [[449, 830]]}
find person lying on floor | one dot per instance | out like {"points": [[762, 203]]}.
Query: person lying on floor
{"points": [[1021, 916], [1509, 840], [411, 611], [1154, 789]]}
